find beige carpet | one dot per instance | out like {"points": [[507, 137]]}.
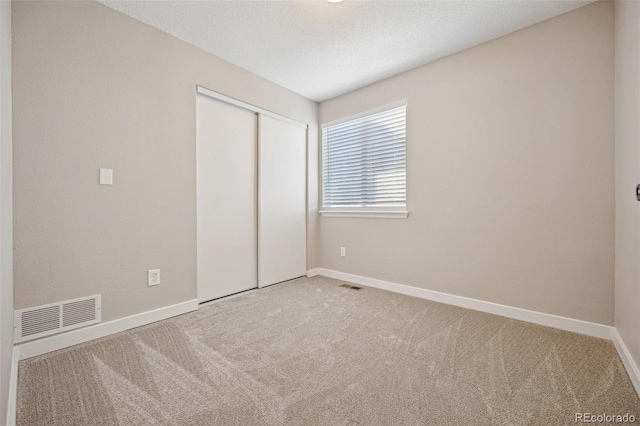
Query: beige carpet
{"points": [[310, 352]]}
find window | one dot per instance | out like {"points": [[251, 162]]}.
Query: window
{"points": [[364, 165]]}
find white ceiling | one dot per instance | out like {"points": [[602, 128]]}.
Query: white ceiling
{"points": [[321, 50]]}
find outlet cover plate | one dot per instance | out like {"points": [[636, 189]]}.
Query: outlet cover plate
{"points": [[154, 277]]}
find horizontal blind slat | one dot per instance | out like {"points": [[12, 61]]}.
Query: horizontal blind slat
{"points": [[369, 118], [357, 140], [390, 126]]}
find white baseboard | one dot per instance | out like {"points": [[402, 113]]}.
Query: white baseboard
{"points": [[312, 272], [81, 335], [549, 320], [13, 388], [627, 359]]}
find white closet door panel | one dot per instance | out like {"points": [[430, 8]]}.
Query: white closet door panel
{"points": [[282, 219], [226, 198]]}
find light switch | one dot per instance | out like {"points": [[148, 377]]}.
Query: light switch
{"points": [[106, 176]]}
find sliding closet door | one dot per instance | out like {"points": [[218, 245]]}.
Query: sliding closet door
{"points": [[226, 198], [282, 218]]}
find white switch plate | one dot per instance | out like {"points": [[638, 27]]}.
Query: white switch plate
{"points": [[154, 277], [343, 251], [106, 176]]}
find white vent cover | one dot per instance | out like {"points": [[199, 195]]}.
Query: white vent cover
{"points": [[39, 321]]}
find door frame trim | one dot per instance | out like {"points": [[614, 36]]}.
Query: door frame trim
{"points": [[233, 101]]}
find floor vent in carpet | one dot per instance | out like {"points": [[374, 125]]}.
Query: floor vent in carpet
{"points": [[352, 287]]}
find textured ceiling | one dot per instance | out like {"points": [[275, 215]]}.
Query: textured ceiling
{"points": [[321, 50]]}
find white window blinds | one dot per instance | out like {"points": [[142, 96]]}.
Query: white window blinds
{"points": [[364, 162]]}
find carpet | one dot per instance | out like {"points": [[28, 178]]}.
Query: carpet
{"points": [[310, 352]]}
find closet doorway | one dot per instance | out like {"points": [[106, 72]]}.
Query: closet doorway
{"points": [[251, 196]]}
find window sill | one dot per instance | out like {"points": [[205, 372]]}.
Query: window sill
{"points": [[380, 214]]}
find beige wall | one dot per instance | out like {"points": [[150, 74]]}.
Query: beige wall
{"points": [[6, 210], [510, 173], [93, 88], [627, 163]]}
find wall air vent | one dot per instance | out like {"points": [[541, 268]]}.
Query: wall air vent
{"points": [[40, 321]]}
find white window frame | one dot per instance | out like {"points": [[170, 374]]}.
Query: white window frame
{"points": [[400, 212]]}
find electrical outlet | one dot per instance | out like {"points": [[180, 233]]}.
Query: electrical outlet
{"points": [[154, 277], [343, 251]]}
